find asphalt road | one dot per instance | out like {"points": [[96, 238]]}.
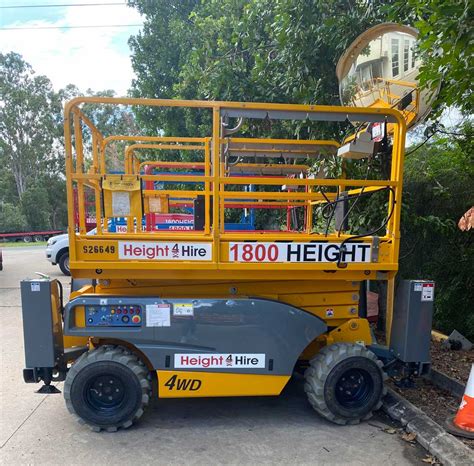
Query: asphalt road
{"points": [[37, 429]]}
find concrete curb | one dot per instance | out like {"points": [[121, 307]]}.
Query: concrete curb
{"points": [[430, 435], [445, 382]]}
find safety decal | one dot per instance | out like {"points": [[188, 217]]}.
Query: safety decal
{"points": [[299, 252], [219, 361], [418, 287], [183, 309], [158, 315], [35, 287], [427, 292], [329, 312], [120, 203], [165, 251]]}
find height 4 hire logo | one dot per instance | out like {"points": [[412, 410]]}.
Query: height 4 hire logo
{"points": [[165, 251], [219, 361]]}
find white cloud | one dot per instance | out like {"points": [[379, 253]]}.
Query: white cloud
{"points": [[89, 58]]}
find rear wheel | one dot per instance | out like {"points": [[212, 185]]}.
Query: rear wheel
{"points": [[345, 383], [27, 239], [107, 388], [64, 264]]}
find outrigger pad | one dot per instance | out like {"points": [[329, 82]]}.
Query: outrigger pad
{"points": [[48, 390]]}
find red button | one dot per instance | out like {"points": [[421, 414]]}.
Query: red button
{"points": [[136, 319], [125, 311], [137, 311], [131, 310]]}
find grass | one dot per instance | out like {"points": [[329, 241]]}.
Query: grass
{"points": [[21, 244]]}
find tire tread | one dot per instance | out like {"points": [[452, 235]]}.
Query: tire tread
{"points": [[319, 369], [122, 356]]}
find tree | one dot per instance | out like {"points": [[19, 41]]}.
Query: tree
{"points": [[11, 218], [31, 145], [36, 207], [446, 46], [263, 50], [437, 191], [27, 120]]}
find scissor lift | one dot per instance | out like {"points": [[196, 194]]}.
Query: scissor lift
{"points": [[213, 310]]}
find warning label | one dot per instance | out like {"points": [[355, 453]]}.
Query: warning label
{"points": [[427, 292], [299, 252], [158, 315], [219, 361], [183, 309], [165, 251]]}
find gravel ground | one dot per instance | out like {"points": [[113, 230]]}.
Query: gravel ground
{"points": [[456, 364]]}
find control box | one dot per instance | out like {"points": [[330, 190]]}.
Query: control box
{"points": [[42, 325], [114, 315], [412, 317]]}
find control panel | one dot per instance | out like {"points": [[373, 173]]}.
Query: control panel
{"points": [[114, 315]]}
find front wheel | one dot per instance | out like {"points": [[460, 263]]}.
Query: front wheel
{"points": [[64, 264], [107, 388], [345, 383]]}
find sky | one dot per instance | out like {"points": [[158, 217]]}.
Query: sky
{"points": [[95, 58]]}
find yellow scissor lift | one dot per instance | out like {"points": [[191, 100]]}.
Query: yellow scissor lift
{"points": [[210, 310]]}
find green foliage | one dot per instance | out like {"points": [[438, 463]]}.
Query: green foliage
{"points": [[11, 218], [438, 190], [27, 120], [262, 50], [446, 46], [36, 207], [57, 211], [32, 184]]}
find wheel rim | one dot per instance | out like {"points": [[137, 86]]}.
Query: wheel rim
{"points": [[354, 388], [66, 264], [105, 394]]}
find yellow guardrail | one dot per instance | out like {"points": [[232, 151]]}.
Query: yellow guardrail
{"points": [[216, 184]]}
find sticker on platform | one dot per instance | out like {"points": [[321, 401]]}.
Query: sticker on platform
{"points": [[183, 309], [219, 361], [299, 252], [120, 203], [35, 287], [158, 315], [418, 287], [427, 292], [329, 312], [165, 251]]}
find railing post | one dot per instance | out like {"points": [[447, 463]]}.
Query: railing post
{"points": [[80, 170], [216, 136], [207, 185]]}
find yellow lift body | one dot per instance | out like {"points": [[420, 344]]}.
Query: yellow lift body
{"points": [[208, 309]]}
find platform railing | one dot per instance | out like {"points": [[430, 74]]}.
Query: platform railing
{"points": [[88, 169]]}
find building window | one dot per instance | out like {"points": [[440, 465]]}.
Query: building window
{"points": [[406, 55], [395, 58]]}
